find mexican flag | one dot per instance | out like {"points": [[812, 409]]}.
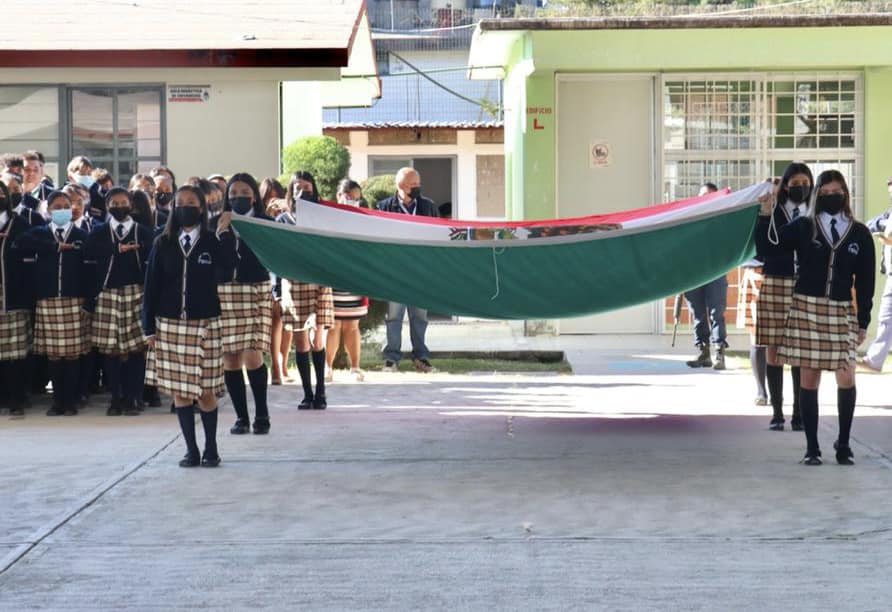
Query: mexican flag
{"points": [[513, 270]]}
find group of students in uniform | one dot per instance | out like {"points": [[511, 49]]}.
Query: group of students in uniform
{"points": [[813, 302], [157, 281]]}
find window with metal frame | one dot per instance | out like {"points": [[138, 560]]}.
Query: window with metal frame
{"points": [[736, 129], [29, 119]]}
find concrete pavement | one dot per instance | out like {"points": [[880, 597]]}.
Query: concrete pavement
{"points": [[640, 485]]}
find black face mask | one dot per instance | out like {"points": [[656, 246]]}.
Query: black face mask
{"points": [[241, 205], [119, 213], [415, 193], [831, 203], [307, 196], [798, 194], [163, 200], [15, 199], [188, 216]]}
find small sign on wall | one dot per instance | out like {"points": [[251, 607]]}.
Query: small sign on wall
{"points": [[188, 93], [599, 154]]}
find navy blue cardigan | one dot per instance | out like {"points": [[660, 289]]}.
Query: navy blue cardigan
{"points": [[180, 287], [825, 271], [248, 268], [16, 291], [114, 269], [776, 260], [56, 273]]}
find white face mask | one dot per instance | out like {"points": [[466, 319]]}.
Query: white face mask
{"points": [[350, 202], [84, 179]]}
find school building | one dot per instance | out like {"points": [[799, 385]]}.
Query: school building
{"points": [[203, 87], [676, 102]]}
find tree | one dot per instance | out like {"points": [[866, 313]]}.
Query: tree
{"points": [[377, 188], [323, 156]]}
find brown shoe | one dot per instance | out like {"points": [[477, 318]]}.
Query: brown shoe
{"points": [[424, 366]]}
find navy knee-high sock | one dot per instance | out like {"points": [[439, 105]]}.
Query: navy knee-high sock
{"points": [[845, 405], [57, 376], [775, 377], [235, 385], [135, 377], [258, 381], [808, 405], [209, 422], [303, 367], [72, 382], [795, 373], [113, 369], [186, 417], [319, 368]]}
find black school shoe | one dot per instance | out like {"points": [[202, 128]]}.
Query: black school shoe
{"points": [[240, 428], [210, 462], [71, 411], [776, 424], [190, 460], [812, 458], [261, 427], [114, 409], [130, 408], [306, 403], [319, 403], [844, 454]]}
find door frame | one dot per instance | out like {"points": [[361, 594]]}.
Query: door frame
{"points": [[655, 145]]}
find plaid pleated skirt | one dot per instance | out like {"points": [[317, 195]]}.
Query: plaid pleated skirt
{"points": [[188, 357], [115, 326], [15, 335], [821, 334], [246, 316], [772, 308], [308, 299], [61, 328], [747, 297]]}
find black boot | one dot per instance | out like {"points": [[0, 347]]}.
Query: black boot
{"points": [[719, 363], [845, 406], [211, 457], [235, 385], [187, 426], [808, 403], [319, 402], [796, 422], [703, 360], [302, 359], [257, 378], [775, 377]]}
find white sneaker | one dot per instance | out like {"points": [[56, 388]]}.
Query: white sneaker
{"points": [[390, 366], [329, 374], [358, 375]]}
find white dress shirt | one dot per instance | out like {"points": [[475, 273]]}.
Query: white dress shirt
{"points": [[127, 223], [790, 208], [4, 218], [842, 223], [193, 236]]}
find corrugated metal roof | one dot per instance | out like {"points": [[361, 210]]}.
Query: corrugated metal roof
{"points": [[389, 125], [150, 32], [686, 22]]}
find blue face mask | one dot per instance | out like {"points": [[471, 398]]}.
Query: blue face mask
{"points": [[61, 217], [84, 179]]}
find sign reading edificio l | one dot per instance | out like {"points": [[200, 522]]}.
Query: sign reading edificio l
{"points": [[188, 93]]}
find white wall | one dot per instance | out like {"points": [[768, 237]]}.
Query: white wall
{"points": [[301, 110], [236, 130], [465, 150]]}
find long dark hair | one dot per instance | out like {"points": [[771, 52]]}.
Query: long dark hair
{"points": [[300, 175], [140, 209], [271, 188], [172, 228], [55, 195], [791, 171], [244, 177], [115, 191]]}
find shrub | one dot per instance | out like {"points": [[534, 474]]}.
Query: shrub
{"points": [[323, 156], [377, 188]]}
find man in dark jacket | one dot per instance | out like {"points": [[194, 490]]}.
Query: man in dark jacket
{"points": [[409, 201]]}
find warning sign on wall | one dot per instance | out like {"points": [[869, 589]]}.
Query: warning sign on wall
{"points": [[188, 93]]}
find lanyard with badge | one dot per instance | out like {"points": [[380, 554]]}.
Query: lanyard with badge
{"points": [[406, 210]]}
